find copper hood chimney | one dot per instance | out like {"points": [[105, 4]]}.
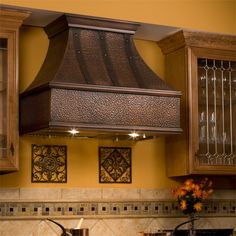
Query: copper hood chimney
{"points": [[94, 81]]}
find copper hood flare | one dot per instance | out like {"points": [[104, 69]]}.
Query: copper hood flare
{"points": [[94, 81]]}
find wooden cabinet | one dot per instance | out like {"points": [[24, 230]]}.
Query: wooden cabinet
{"points": [[203, 66], [10, 22]]}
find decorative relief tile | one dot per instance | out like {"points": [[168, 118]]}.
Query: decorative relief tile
{"points": [[114, 165], [49, 164]]}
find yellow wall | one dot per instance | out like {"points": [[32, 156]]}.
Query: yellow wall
{"points": [[211, 15], [148, 159], [82, 156]]}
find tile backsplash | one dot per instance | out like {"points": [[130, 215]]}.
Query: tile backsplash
{"points": [[106, 211]]}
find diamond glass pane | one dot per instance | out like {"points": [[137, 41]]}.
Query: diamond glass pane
{"points": [[217, 111]]}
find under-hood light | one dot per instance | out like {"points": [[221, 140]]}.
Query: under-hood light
{"points": [[73, 131], [134, 135]]}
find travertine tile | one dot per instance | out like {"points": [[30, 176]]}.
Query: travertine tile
{"points": [[120, 193], [156, 194], [17, 227], [9, 193], [223, 194], [129, 227], [109, 227], [45, 229], [81, 194], [101, 229], [217, 223], [153, 227], [40, 194]]}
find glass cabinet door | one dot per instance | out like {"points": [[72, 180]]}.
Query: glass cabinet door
{"points": [[3, 97], [217, 111]]}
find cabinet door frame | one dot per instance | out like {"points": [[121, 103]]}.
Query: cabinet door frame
{"points": [[193, 54], [10, 162]]}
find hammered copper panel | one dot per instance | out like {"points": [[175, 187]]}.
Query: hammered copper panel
{"points": [[120, 60], [87, 43], [113, 109], [70, 68]]}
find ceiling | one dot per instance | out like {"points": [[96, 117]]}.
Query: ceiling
{"points": [[41, 18]]}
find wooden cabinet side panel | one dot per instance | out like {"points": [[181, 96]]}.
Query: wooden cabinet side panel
{"points": [[177, 146]]}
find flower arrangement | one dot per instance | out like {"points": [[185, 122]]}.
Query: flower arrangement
{"points": [[191, 194]]}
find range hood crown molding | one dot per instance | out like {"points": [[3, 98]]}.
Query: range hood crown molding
{"points": [[67, 21], [93, 79]]}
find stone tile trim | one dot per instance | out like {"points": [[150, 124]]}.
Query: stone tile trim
{"points": [[110, 209], [96, 194]]}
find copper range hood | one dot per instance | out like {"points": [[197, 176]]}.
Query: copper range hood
{"points": [[94, 81]]}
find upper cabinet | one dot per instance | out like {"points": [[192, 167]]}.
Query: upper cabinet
{"points": [[203, 66], [10, 22]]}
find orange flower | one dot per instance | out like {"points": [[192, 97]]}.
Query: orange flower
{"points": [[197, 187], [188, 184], [197, 206], [197, 192], [183, 205], [182, 192]]}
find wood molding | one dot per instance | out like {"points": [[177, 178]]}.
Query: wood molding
{"points": [[197, 39], [12, 18]]}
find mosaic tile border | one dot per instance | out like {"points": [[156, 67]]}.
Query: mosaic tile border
{"points": [[110, 209]]}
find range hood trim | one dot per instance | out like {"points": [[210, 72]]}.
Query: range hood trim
{"points": [[113, 128], [103, 88]]}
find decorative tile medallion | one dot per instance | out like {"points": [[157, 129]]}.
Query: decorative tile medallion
{"points": [[114, 165], [49, 164]]}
